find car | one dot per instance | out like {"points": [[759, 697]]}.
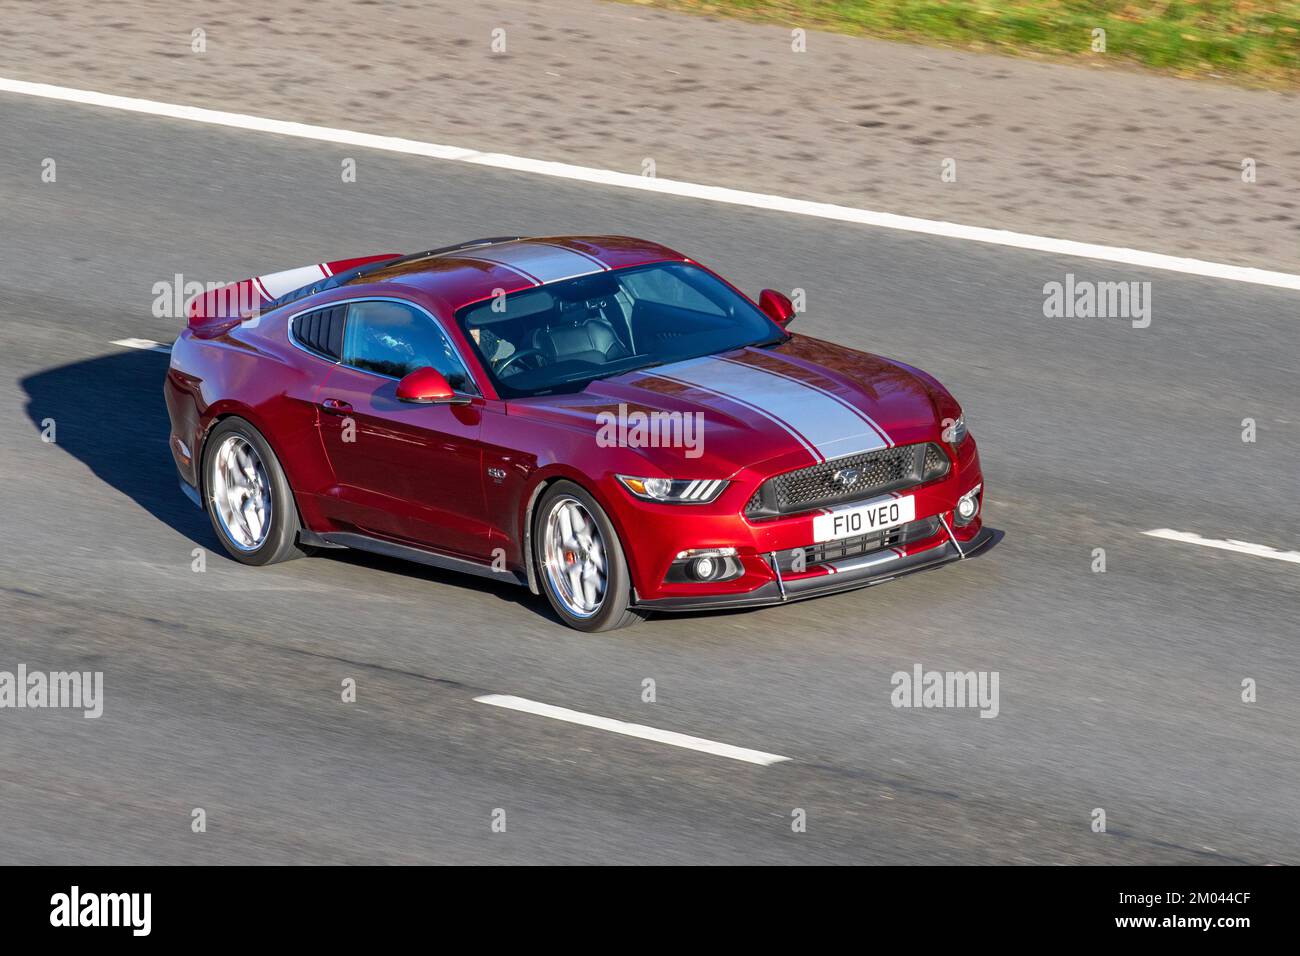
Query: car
{"points": [[598, 418]]}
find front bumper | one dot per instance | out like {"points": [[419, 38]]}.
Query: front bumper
{"points": [[655, 534], [845, 575]]}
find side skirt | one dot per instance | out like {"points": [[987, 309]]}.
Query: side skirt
{"points": [[434, 559], [191, 493]]}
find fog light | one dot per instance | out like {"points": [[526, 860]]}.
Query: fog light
{"points": [[705, 565], [968, 505]]}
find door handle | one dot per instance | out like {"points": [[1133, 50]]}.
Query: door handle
{"points": [[336, 406]]}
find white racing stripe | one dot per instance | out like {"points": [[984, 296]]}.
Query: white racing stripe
{"points": [[1241, 547], [542, 262], [868, 562], [812, 452], [606, 177], [829, 424], [277, 284], [147, 344], [843, 401], [494, 262], [630, 730]]}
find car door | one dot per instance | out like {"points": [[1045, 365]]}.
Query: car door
{"points": [[403, 471]]}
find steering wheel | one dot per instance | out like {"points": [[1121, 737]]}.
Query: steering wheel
{"points": [[516, 356]]}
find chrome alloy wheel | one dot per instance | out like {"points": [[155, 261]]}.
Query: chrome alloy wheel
{"points": [[574, 554], [241, 493]]}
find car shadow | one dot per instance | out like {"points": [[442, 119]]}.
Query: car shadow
{"points": [[109, 414], [122, 435], [512, 593]]}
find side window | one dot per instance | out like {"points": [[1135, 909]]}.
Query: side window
{"points": [[321, 331], [392, 338]]}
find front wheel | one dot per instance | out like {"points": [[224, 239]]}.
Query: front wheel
{"points": [[247, 495], [580, 561]]}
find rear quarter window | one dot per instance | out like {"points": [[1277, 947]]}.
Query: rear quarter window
{"points": [[321, 331]]}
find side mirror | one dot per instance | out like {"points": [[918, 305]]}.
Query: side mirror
{"points": [[777, 306], [427, 386]]}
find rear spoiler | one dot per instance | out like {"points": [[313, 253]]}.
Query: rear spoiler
{"points": [[217, 310]]}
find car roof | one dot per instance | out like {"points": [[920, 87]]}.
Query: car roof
{"points": [[453, 278]]}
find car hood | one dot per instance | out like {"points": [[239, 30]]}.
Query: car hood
{"points": [[799, 403]]}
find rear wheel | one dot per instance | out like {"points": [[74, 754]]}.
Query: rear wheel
{"points": [[247, 495], [580, 561]]}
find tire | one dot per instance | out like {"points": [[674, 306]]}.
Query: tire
{"points": [[570, 596], [240, 467]]}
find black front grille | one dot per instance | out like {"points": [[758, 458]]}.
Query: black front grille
{"points": [[848, 479], [797, 560], [936, 462]]}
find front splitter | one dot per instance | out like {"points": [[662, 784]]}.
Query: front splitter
{"points": [[849, 579]]}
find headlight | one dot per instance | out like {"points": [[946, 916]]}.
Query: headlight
{"points": [[673, 491], [957, 431]]}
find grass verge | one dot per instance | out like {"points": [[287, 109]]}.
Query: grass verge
{"points": [[1251, 43]]}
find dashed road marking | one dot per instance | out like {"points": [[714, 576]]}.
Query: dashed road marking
{"points": [[1241, 547], [631, 730], [148, 345]]}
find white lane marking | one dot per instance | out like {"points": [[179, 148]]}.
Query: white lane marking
{"points": [[630, 730], [1241, 547], [147, 344], [608, 177]]}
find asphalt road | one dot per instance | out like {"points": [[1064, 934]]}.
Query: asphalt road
{"points": [[1118, 690], [1080, 151]]}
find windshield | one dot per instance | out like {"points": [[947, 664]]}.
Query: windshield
{"points": [[559, 337]]}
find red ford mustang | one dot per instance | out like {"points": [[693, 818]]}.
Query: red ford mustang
{"points": [[598, 418]]}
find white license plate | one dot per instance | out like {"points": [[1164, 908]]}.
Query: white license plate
{"points": [[863, 519]]}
